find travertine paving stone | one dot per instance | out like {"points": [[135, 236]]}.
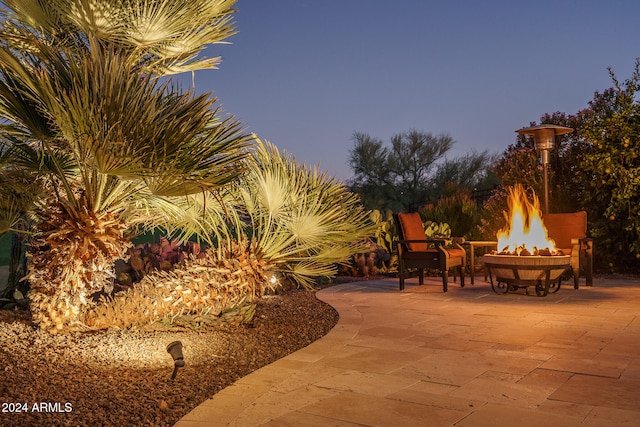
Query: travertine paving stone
{"points": [[599, 391], [465, 358]]}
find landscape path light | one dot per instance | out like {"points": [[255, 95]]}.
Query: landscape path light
{"points": [[544, 137], [175, 350]]}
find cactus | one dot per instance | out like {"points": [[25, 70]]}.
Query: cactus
{"points": [[386, 232], [379, 257]]}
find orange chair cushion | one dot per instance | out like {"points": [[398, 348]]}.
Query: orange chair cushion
{"points": [[412, 229], [563, 227], [456, 253]]}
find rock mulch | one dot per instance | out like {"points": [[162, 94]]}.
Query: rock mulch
{"points": [[123, 377]]}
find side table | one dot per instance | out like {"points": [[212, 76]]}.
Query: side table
{"points": [[473, 244]]}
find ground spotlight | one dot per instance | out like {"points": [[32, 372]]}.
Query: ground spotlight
{"points": [[175, 350]]}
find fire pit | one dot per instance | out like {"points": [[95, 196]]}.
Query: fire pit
{"points": [[528, 257], [511, 272]]}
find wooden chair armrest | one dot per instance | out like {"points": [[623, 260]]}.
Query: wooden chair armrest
{"points": [[437, 242], [583, 243], [579, 240], [458, 240], [586, 243], [456, 243]]}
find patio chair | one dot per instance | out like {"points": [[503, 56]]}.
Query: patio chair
{"points": [[416, 251], [569, 232]]}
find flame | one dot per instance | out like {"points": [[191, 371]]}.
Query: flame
{"points": [[525, 233]]}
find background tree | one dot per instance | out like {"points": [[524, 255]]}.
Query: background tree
{"points": [[609, 172], [373, 177], [411, 171], [467, 173]]}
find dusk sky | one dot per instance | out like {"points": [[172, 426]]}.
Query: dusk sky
{"points": [[307, 74]]}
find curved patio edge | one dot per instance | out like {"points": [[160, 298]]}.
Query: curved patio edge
{"points": [[251, 400]]}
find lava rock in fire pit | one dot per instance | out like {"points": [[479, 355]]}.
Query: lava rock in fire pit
{"points": [[523, 251]]}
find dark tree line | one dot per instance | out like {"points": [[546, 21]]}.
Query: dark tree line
{"points": [[413, 169]]}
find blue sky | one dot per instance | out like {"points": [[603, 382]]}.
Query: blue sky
{"points": [[307, 74]]}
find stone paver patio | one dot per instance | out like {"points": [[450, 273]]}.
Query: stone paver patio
{"points": [[465, 358]]}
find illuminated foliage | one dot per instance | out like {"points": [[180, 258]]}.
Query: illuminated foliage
{"points": [[303, 221], [610, 172], [90, 114], [114, 147]]}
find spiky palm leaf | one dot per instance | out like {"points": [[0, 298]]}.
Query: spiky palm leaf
{"points": [[17, 190], [163, 37], [210, 215], [304, 221]]}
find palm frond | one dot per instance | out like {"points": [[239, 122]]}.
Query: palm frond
{"points": [[18, 191], [19, 102], [100, 19], [209, 216], [303, 221], [162, 37], [35, 13], [119, 122]]}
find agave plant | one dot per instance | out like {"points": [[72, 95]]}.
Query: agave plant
{"points": [[114, 146], [303, 221]]}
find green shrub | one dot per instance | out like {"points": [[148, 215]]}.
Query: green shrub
{"points": [[457, 210]]}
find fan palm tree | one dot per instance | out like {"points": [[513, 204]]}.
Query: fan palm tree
{"points": [[114, 146]]}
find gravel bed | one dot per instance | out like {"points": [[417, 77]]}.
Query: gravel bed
{"points": [[123, 377]]}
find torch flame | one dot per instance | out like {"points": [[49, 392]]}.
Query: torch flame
{"points": [[525, 232]]}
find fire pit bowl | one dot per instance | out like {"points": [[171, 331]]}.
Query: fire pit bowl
{"points": [[511, 272]]}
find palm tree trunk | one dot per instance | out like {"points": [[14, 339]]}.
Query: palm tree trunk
{"points": [[69, 263]]}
